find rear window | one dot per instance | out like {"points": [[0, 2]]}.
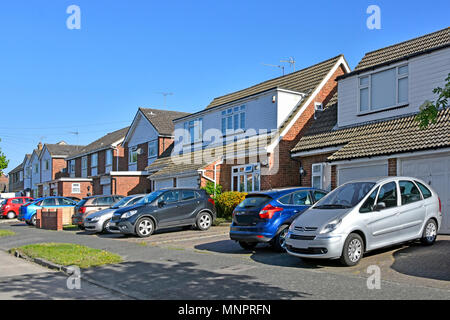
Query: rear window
{"points": [[255, 201], [425, 191], [106, 201], [187, 195]]}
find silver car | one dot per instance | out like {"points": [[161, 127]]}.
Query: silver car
{"points": [[361, 216], [99, 220]]}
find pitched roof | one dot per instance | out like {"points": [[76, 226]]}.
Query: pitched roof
{"points": [[400, 51], [63, 150], [104, 142], [300, 81], [398, 135], [194, 161], [162, 120]]}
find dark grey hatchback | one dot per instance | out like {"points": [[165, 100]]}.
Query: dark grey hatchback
{"points": [[166, 208]]}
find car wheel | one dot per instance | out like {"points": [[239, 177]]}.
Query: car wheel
{"points": [[11, 215], [80, 227], [429, 233], [144, 227], [248, 245], [353, 250], [204, 221], [278, 243], [106, 228], [33, 220]]}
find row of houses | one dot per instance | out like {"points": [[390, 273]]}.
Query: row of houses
{"points": [[320, 126]]}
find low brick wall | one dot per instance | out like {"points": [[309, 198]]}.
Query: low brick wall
{"points": [[49, 219]]}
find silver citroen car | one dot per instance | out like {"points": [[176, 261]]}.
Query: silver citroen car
{"points": [[99, 220], [364, 215]]}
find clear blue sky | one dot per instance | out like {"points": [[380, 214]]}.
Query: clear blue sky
{"points": [[54, 81]]}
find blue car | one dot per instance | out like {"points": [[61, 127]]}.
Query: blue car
{"points": [[264, 217], [27, 212]]}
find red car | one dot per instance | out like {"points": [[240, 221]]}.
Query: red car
{"points": [[10, 207]]}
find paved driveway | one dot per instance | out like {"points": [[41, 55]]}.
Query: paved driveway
{"points": [[207, 265]]}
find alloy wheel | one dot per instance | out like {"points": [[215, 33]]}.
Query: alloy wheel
{"points": [[11, 215], [354, 250], [282, 237], [430, 232], [145, 227], [205, 221]]}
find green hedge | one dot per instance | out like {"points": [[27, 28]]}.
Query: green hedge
{"points": [[227, 201]]}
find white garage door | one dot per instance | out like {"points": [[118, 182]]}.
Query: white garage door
{"points": [[348, 173], [187, 182], [436, 172], [167, 183]]}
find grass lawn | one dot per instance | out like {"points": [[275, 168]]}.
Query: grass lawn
{"points": [[70, 227], [6, 233], [68, 254]]}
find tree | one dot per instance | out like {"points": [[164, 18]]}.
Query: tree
{"points": [[429, 109], [3, 161]]}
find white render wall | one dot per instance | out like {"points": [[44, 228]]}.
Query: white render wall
{"points": [[426, 72], [46, 174], [143, 132], [35, 177]]}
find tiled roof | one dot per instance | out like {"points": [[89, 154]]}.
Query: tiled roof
{"points": [[398, 135], [162, 120], [62, 149], [16, 169], [104, 142], [193, 161], [414, 46], [300, 81]]}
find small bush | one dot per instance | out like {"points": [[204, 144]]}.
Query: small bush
{"points": [[227, 201], [209, 188]]}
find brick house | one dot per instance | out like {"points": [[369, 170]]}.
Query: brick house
{"points": [[4, 183], [242, 140], [90, 169], [52, 165], [369, 129], [149, 136], [16, 177]]}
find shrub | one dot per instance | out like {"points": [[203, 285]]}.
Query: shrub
{"points": [[209, 188], [227, 201]]}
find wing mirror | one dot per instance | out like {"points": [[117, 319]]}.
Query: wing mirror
{"points": [[161, 203], [379, 206]]}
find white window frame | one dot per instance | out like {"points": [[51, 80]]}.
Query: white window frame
{"points": [[109, 158], [253, 169], [132, 153], [197, 126], [319, 173], [21, 176], [76, 188], [368, 86], [228, 116], [154, 144], [84, 163], [71, 166], [36, 168], [94, 164], [47, 165]]}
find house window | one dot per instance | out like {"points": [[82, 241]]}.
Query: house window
{"points": [[109, 156], [36, 168], [76, 188], [246, 178], [72, 166], [233, 119], [317, 175], [21, 175], [84, 163], [94, 160], [133, 155], [153, 149], [46, 164], [385, 89], [193, 130]]}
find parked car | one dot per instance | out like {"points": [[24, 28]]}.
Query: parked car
{"points": [[74, 199], [99, 220], [9, 208], [92, 204], [27, 211], [361, 216], [166, 208], [264, 217]]}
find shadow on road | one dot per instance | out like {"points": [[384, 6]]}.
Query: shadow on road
{"points": [[185, 280], [432, 262]]}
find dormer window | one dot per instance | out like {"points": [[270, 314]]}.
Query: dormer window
{"points": [[233, 119], [383, 90], [318, 107], [193, 130]]}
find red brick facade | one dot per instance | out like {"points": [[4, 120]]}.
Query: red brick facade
{"points": [[392, 167], [128, 185]]}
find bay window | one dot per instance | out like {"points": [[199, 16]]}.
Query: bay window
{"points": [[384, 89]]}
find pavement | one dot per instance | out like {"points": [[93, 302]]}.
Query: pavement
{"points": [[190, 264]]}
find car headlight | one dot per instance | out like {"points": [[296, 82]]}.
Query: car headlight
{"points": [[128, 214], [95, 219], [331, 226]]}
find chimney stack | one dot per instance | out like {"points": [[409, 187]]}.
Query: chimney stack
{"points": [[40, 146]]}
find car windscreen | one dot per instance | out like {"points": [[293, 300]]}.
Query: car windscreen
{"points": [[345, 196], [254, 201], [151, 196], [121, 203]]}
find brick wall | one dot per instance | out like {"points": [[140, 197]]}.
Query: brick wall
{"points": [[164, 143], [307, 163], [101, 162], [49, 219], [142, 160], [128, 185], [57, 166], [123, 159], [78, 167], [65, 189]]}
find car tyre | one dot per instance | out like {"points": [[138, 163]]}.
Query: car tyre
{"points": [[353, 250], [33, 220], [145, 227], [278, 243], [81, 227], [204, 221], [105, 228], [247, 245], [11, 215], [429, 233]]}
